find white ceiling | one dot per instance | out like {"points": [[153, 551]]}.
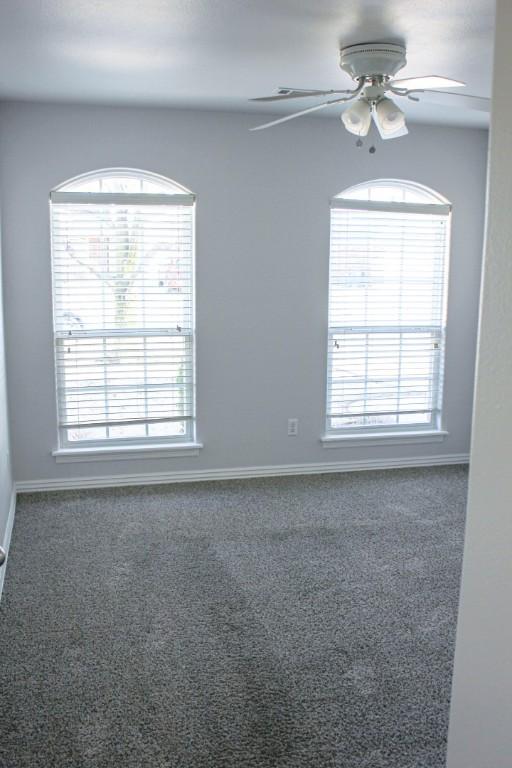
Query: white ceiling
{"points": [[218, 53]]}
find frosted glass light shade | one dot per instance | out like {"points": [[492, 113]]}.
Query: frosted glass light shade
{"points": [[357, 118], [389, 116]]}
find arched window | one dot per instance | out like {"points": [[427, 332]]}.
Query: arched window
{"points": [[123, 299], [387, 309]]}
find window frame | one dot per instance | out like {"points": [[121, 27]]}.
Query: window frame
{"points": [[127, 447], [382, 434]]}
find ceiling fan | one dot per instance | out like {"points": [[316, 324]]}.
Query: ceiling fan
{"points": [[373, 67]]}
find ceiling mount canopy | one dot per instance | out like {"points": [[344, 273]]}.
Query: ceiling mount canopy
{"points": [[372, 59]]}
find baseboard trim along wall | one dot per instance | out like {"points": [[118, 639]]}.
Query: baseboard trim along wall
{"points": [[7, 538], [234, 473]]}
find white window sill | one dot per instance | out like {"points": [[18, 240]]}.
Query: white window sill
{"points": [[383, 438], [116, 453]]}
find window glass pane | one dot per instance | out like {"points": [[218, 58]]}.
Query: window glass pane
{"points": [[86, 433], [128, 431], [119, 181], [86, 185], [168, 429], [120, 184], [386, 192], [155, 187]]}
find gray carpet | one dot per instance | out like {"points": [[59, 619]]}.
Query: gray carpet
{"points": [[302, 622]]}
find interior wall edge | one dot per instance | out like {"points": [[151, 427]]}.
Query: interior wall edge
{"points": [[7, 538]]}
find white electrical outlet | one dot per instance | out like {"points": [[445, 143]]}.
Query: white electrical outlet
{"points": [[293, 427]]}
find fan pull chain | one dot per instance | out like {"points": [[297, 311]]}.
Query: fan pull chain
{"points": [[372, 150]]}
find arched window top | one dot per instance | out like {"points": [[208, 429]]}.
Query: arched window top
{"points": [[123, 181], [392, 191]]}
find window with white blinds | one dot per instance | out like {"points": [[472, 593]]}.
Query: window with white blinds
{"points": [[387, 308], [123, 299]]}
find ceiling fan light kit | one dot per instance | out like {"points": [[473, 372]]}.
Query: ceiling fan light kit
{"points": [[373, 67]]}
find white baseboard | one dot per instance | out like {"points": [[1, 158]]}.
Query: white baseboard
{"points": [[194, 475], [7, 538]]}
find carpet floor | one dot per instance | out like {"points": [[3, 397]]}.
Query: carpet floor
{"points": [[303, 622]]}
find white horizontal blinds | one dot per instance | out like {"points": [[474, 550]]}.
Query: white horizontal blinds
{"points": [[386, 314], [123, 307]]}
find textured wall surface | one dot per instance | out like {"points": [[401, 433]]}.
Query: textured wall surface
{"points": [[262, 264], [480, 732]]}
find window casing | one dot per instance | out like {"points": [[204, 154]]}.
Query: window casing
{"points": [[123, 308], [387, 309]]}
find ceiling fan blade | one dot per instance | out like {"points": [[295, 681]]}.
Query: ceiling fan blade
{"points": [[386, 136], [457, 100], [430, 81], [298, 114], [294, 93]]}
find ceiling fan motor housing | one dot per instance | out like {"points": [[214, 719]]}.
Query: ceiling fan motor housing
{"points": [[372, 59]]}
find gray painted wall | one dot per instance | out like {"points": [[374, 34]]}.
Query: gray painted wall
{"points": [[262, 261], [6, 482], [480, 731]]}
